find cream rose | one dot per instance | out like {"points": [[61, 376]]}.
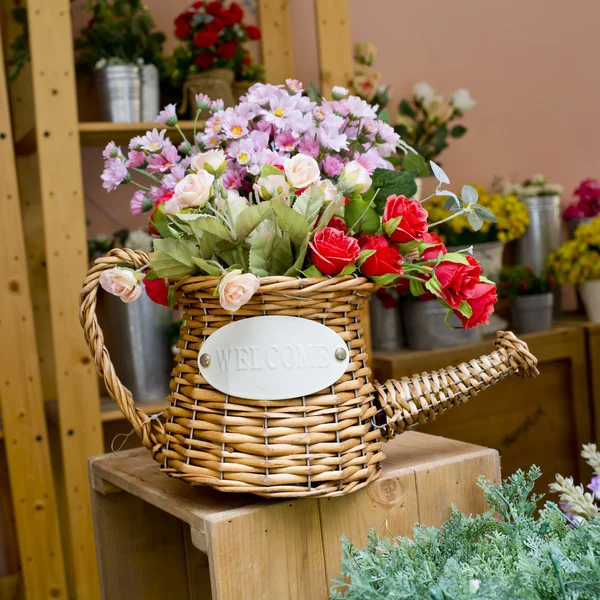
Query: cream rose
{"points": [[193, 191], [439, 110], [461, 100], [423, 93], [271, 185], [354, 178], [331, 192], [301, 170], [236, 288], [123, 283], [213, 158]]}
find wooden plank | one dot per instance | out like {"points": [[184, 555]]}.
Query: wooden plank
{"points": [[198, 571], [276, 41], [21, 400], [66, 256], [335, 45], [11, 587]]}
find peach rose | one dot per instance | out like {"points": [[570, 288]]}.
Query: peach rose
{"points": [[301, 171], [123, 283], [194, 190], [236, 288]]}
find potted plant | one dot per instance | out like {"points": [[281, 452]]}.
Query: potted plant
{"points": [[577, 263], [543, 235], [427, 120], [213, 54], [585, 208], [365, 80], [530, 296], [124, 53]]}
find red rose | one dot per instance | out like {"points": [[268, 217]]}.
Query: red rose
{"points": [[197, 5], [434, 251], [247, 61], [204, 60], [457, 281], [482, 302], [253, 32], [205, 38], [237, 12], [216, 25], [338, 223], [227, 50], [413, 225], [214, 8], [183, 29], [385, 260], [227, 18], [157, 291], [331, 251], [161, 200]]}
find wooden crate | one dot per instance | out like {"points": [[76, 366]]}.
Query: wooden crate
{"points": [[542, 422], [197, 543]]}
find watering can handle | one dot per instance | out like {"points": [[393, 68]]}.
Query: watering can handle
{"points": [[146, 427], [415, 400]]}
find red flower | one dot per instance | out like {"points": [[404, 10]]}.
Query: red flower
{"points": [[457, 281], [204, 60], [227, 17], [385, 260], [157, 291], [386, 299], [434, 251], [183, 29], [247, 61], [236, 12], [338, 223], [91, 23], [161, 200], [253, 32], [216, 25], [227, 50], [214, 9], [205, 38], [413, 225], [197, 5], [331, 251], [482, 302]]}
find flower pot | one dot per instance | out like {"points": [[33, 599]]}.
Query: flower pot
{"points": [[543, 235], [322, 444], [573, 224], [240, 88], [590, 294], [489, 256], [150, 93], [387, 331], [119, 92], [215, 83], [532, 313], [425, 328]]}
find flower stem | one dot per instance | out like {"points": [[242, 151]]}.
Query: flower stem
{"points": [[142, 172], [143, 187], [195, 125], [452, 216], [182, 135]]}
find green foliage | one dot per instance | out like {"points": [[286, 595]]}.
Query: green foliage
{"points": [[119, 31], [519, 556], [519, 280], [18, 52], [387, 182]]}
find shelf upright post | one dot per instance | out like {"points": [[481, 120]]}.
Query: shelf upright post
{"points": [[276, 42]]}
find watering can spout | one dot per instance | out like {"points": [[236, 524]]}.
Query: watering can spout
{"points": [[420, 398]]}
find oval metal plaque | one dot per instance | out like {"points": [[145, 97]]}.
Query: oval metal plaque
{"points": [[273, 358]]}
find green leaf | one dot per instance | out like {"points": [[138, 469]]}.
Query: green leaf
{"points": [[465, 309], [312, 271], [229, 253], [314, 95], [434, 286], [210, 267], [270, 254], [385, 280], [364, 254], [250, 218], [483, 279], [269, 169], [291, 222], [309, 203], [485, 213], [160, 221], [348, 270], [180, 250], [207, 244], [458, 131], [391, 182], [384, 115], [415, 162], [390, 226], [452, 203], [330, 210], [475, 221], [455, 257], [416, 287], [360, 217], [209, 224], [171, 297], [164, 265], [296, 268], [404, 108]]}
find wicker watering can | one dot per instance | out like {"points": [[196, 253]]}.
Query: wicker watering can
{"points": [[328, 443]]}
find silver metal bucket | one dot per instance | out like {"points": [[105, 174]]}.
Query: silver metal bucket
{"points": [[150, 93], [489, 255], [137, 337], [425, 329], [387, 332], [119, 92], [532, 313], [573, 224]]}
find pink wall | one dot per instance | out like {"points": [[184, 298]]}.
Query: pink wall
{"points": [[531, 66]]}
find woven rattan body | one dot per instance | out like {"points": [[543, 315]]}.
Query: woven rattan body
{"points": [[326, 444]]}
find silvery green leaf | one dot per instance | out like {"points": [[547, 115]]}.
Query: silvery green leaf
{"points": [[438, 173], [296, 268], [309, 203], [171, 258], [333, 207], [485, 213], [452, 204], [210, 267], [475, 221], [270, 254], [179, 251], [212, 225], [291, 222], [250, 218], [469, 195]]}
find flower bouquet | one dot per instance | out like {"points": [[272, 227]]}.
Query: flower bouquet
{"points": [[365, 81], [586, 207], [273, 226]]}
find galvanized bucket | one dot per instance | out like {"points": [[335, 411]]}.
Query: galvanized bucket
{"points": [[387, 331], [119, 93], [150, 93], [590, 294], [573, 224], [532, 313], [489, 256]]}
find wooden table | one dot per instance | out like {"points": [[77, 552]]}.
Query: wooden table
{"points": [[161, 538], [541, 422]]}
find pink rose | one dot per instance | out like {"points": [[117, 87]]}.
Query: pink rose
{"points": [[236, 288], [482, 302], [123, 283]]}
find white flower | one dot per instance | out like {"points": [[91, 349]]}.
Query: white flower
{"points": [[331, 192], [123, 283], [474, 585], [423, 93], [213, 158], [461, 100], [338, 92], [193, 191], [139, 239], [301, 171], [439, 110], [354, 178], [271, 185], [236, 288]]}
